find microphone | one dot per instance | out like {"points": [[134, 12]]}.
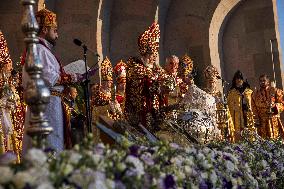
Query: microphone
{"points": [[81, 44], [78, 42]]}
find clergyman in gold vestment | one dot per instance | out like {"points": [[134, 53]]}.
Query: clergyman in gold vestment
{"points": [[267, 104], [239, 104]]}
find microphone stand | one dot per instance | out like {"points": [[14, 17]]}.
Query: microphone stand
{"points": [[86, 92]]}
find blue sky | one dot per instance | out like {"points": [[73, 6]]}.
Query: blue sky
{"points": [[280, 6]]}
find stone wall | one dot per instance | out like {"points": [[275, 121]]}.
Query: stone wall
{"points": [[76, 20], [129, 18]]}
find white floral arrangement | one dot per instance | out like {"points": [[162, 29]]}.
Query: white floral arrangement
{"points": [[200, 116], [163, 166]]}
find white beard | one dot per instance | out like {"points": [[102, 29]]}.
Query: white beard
{"points": [[145, 63]]}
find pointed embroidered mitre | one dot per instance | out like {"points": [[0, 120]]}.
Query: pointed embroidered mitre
{"points": [[46, 18], [120, 72], [4, 51], [148, 42], [185, 66], [106, 70]]}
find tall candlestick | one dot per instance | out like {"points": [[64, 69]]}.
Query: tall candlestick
{"points": [[36, 94]]}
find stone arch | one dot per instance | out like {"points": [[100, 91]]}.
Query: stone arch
{"points": [[103, 28], [255, 57], [249, 43], [219, 19]]}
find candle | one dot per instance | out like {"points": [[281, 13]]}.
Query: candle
{"points": [[100, 74]]}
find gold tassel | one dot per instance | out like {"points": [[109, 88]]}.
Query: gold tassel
{"points": [[2, 146], [15, 146]]}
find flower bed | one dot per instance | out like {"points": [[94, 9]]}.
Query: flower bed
{"points": [[216, 165]]}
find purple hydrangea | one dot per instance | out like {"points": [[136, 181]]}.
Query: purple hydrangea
{"points": [[169, 182]]}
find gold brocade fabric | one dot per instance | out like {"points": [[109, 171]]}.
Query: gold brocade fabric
{"points": [[12, 141], [237, 113], [11, 105], [173, 137], [46, 18], [183, 89], [175, 95], [96, 112], [185, 66], [18, 118], [100, 107], [140, 99], [267, 104]]}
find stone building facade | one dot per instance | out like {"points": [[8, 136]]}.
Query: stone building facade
{"points": [[230, 34]]}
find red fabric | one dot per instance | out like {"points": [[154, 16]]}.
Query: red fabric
{"points": [[67, 126], [119, 99], [23, 58]]}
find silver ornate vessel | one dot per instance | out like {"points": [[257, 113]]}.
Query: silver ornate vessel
{"points": [[36, 94]]}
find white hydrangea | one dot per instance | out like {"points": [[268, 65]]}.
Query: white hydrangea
{"points": [[22, 178], [66, 169], [110, 184], [206, 150], [230, 166], [235, 183], [45, 185], [75, 157], [190, 150], [240, 181], [121, 166], [139, 167], [189, 161], [83, 177], [263, 163], [211, 155], [177, 160], [77, 177], [96, 158], [36, 157], [204, 175], [180, 175], [6, 175], [187, 170], [193, 186], [40, 174], [101, 182], [213, 177], [200, 156], [273, 176], [206, 164]]}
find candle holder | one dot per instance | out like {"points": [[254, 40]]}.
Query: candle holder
{"points": [[222, 119], [36, 94]]}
